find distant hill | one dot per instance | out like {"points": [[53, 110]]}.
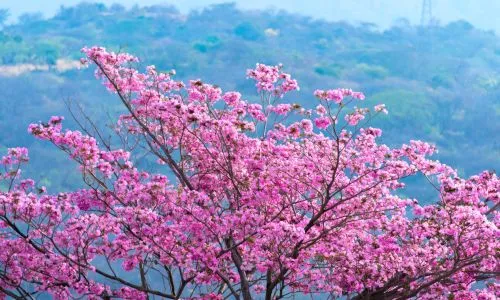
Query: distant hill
{"points": [[481, 13], [441, 84]]}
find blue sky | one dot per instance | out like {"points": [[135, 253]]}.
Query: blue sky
{"points": [[481, 13]]}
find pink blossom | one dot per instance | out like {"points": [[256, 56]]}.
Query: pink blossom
{"points": [[271, 79], [356, 116], [320, 110], [281, 109], [322, 122], [231, 98], [381, 108], [307, 126], [337, 95]]}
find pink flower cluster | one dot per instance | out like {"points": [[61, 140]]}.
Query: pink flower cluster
{"points": [[322, 122], [231, 98], [355, 117], [272, 79], [199, 91], [337, 95], [381, 108], [11, 162], [82, 148], [281, 109]]}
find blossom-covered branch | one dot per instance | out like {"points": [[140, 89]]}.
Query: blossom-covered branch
{"points": [[256, 200]]}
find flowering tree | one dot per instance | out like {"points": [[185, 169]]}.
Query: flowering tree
{"points": [[258, 200]]}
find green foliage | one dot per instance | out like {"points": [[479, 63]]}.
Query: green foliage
{"points": [[50, 51], [247, 31], [373, 71], [210, 43], [413, 108], [442, 80], [332, 70], [4, 15]]}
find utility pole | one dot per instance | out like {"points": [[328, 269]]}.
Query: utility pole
{"points": [[426, 17]]}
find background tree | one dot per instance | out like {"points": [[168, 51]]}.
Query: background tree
{"points": [[4, 15]]}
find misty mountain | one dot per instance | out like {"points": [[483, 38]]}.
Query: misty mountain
{"points": [[480, 13], [440, 83]]}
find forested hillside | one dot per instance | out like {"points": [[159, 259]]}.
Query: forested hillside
{"points": [[440, 84]]}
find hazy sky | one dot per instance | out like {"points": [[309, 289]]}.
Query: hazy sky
{"points": [[481, 13]]}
